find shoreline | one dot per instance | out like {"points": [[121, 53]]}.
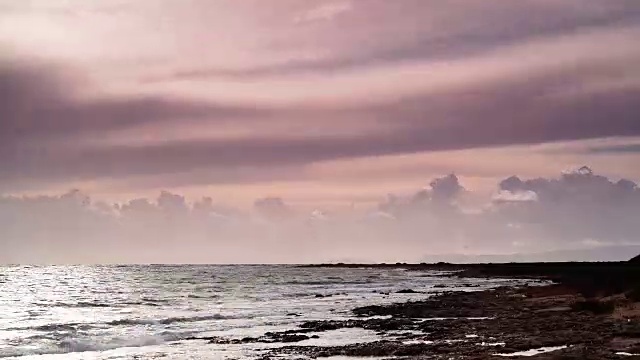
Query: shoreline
{"points": [[591, 311], [591, 279]]}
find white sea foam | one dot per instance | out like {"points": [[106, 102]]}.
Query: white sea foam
{"points": [[167, 321], [88, 345], [533, 352]]}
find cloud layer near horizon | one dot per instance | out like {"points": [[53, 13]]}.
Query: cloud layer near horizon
{"points": [[578, 210], [216, 92]]}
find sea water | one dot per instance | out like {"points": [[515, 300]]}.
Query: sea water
{"points": [[149, 311]]}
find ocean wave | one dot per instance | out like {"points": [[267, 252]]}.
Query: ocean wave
{"points": [[71, 327], [146, 301], [195, 296], [328, 282], [83, 345], [74, 345], [54, 327], [96, 304], [293, 295], [78, 305], [138, 303], [166, 321], [154, 300]]}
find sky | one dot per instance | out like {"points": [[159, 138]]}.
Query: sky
{"points": [[305, 131]]}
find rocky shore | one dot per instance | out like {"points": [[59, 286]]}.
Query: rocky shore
{"points": [[483, 325], [591, 311]]}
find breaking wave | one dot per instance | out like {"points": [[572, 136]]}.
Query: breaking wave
{"points": [[85, 304], [166, 321], [328, 282], [72, 345], [194, 296], [120, 322], [78, 305]]}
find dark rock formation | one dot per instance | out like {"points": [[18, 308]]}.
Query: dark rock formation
{"points": [[407, 291]]}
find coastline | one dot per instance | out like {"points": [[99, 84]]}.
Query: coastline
{"points": [[591, 311]]}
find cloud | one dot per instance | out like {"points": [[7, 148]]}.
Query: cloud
{"points": [[171, 202], [45, 121], [324, 12], [520, 73], [41, 101], [575, 210], [445, 188], [626, 148], [384, 33], [508, 196], [272, 208], [524, 111]]}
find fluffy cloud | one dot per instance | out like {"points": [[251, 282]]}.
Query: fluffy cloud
{"points": [[272, 208], [509, 196], [579, 209]]}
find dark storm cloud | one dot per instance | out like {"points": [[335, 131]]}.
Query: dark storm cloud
{"points": [[44, 116], [508, 114], [525, 112], [48, 124], [504, 113], [39, 102]]}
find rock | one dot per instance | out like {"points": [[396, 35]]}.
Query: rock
{"points": [[543, 318], [369, 324], [407, 291], [292, 338]]}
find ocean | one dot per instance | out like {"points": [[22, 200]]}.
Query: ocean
{"points": [[153, 311]]}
